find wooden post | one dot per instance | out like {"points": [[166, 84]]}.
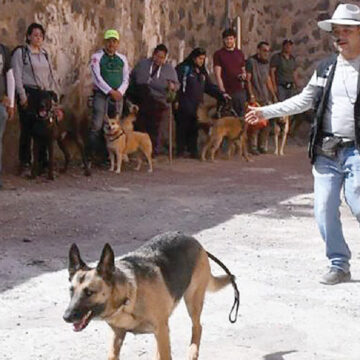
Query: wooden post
{"points": [[170, 135], [238, 32]]}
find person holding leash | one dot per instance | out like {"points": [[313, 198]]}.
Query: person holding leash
{"points": [[7, 87], [33, 73], [194, 82], [229, 70], [261, 91], [110, 74], [334, 148], [152, 80]]}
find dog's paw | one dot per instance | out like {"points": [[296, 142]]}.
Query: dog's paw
{"points": [[87, 172], [150, 170], [118, 171]]}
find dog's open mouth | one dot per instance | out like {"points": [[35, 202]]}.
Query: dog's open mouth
{"points": [[84, 322]]}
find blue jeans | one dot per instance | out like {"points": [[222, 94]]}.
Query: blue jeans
{"points": [[3, 118], [101, 105], [330, 176]]}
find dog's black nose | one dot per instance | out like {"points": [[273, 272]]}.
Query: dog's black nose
{"points": [[69, 316]]}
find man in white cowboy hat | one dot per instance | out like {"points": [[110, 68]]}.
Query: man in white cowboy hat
{"points": [[334, 149]]}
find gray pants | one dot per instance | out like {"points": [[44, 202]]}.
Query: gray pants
{"points": [[285, 93], [102, 104], [3, 118]]}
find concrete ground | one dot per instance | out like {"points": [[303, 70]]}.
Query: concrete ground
{"points": [[256, 217]]}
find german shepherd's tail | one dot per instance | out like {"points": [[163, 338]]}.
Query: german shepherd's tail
{"points": [[218, 282]]}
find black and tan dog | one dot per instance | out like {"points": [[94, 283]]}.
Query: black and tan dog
{"points": [[48, 126], [140, 293]]}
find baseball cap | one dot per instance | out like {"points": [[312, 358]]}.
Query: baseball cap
{"points": [[111, 34], [287, 41]]}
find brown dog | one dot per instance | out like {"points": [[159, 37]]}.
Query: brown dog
{"points": [[121, 143], [141, 292], [231, 127]]}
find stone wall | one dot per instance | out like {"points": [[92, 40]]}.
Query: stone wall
{"points": [[75, 27]]}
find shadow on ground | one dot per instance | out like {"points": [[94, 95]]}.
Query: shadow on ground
{"points": [[39, 220]]}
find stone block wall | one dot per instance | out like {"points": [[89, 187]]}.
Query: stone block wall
{"points": [[75, 28]]}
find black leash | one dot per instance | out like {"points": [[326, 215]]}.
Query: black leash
{"points": [[236, 290]]}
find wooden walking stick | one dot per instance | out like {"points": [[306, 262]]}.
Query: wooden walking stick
{"points": [[170, 135], [170, 98]]}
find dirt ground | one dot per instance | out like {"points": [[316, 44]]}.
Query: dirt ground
{"points": [[256, 217]]}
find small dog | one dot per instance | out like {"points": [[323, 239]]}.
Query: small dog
{"points": [[141, 292], [49, 126], [231, 127], [120, 143]]}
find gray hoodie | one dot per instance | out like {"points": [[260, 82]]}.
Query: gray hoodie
{"points": [[158, 83]]}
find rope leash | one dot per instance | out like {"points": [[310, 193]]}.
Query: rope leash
{"points": [[236, 304]]}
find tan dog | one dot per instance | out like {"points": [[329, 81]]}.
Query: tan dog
{"points": [[281, 127], [139, 294], [121, 143], [128, 122], [230, 127]]}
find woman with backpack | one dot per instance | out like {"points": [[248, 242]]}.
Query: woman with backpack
{"points": [[32, 72], [194, 82]]}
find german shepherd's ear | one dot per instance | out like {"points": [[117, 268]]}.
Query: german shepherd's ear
{"points": [[75, 261], [106, 265]]}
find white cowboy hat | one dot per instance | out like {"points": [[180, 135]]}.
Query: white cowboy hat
{"points": [[345, 14]]}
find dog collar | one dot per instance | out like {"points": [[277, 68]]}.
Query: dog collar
{"points": [[118, 136]]}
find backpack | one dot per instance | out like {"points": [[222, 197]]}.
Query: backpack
{"points": [[25, 56]]}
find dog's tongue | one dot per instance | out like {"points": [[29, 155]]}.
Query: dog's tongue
{"points": [[83, 323]]}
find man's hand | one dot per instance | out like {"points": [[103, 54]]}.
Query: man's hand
{"points": [[24, 103], [226, 96], [11, 112], [254, 115], [116, 95]]}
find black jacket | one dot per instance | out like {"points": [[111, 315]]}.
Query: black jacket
{"points": [[193, 85], [325, 71]]}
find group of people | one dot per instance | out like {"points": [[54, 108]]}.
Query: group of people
{"points": [[153, 84], [333, 92]]}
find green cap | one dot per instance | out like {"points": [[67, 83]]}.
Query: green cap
{"points": [[111, 34]]}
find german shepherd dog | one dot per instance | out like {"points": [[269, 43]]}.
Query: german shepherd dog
{"points": [[48, 127], [141, 292]]}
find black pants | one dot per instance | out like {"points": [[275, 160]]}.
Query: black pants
{"points": [[27, 119], [186, 132], [149, 120], [238, 101]]}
